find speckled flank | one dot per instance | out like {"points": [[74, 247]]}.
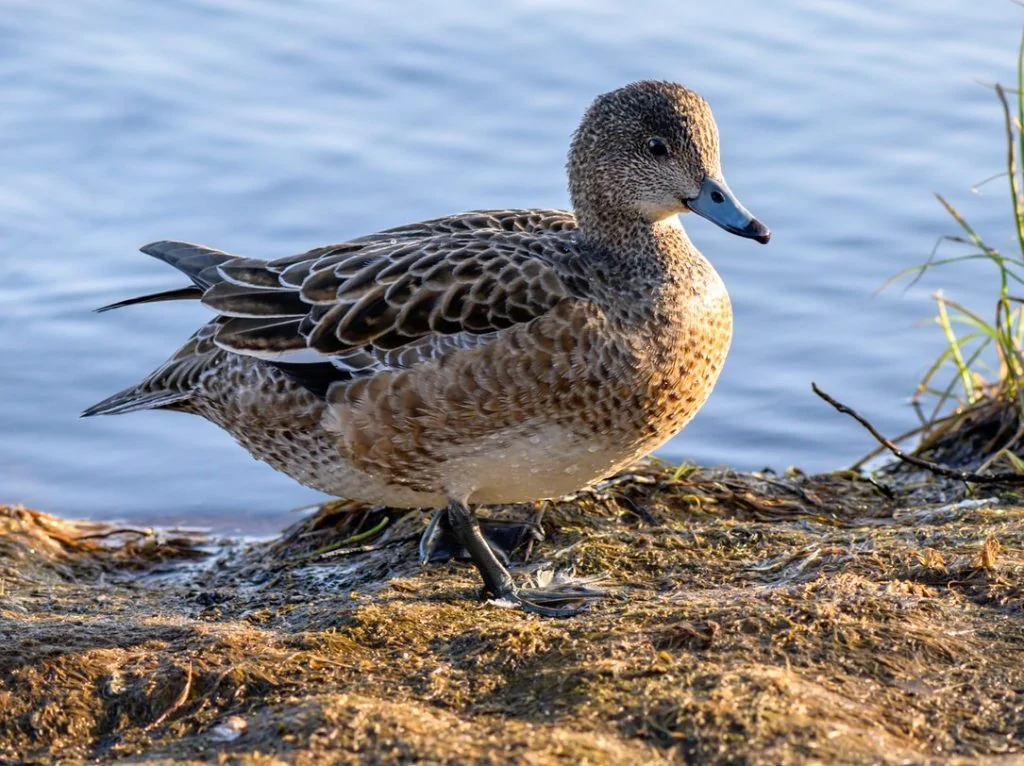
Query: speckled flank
{"points": [[493, 356]]}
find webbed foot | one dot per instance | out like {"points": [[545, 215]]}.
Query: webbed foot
{"points": [[560, 600]]}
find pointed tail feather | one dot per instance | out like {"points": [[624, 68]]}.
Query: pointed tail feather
{"points": [[196, 262], [172, 384], [133, 399], [180, 294]]}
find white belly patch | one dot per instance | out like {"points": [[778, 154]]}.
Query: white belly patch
{"points": [[529, 462]]}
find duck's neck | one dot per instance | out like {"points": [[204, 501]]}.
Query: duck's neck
{"points": [[657, 249]]}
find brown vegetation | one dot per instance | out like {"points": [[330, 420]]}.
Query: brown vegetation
{"points": [[752, 618]]}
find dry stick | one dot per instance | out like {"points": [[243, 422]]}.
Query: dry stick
{"points": [[119, 531], [904, 436], [936, 468], [178, 702]]}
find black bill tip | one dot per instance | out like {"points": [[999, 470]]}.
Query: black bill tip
{"points": [[757, 231]]}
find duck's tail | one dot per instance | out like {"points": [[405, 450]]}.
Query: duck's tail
{"points": [[196, 262], [134, 399], [171, 386]]}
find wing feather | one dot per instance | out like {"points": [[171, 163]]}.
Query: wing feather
{"points": [[397, 298], [248, 300]]}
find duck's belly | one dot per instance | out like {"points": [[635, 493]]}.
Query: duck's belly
{"points": [[284, 426], [530, 462]]}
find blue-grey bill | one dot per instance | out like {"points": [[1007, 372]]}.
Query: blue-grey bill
{"points": [[718, 204]]}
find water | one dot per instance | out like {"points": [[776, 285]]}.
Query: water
{"points": [[268, 128]]}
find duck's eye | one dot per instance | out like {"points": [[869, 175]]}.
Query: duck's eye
{"points": [[657, 147]]}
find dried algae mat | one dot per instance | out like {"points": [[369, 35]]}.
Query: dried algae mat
{"points": [[751, 619]]}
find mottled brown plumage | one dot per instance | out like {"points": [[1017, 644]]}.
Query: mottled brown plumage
{"points": [[487, 357]]}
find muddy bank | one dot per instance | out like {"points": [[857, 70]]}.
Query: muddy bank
{"points": [[766, 619]]}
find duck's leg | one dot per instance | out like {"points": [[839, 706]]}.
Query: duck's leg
{"points": [[438, 541], [430, 548], [559, 601]]}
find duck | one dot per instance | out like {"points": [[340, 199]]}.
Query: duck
{"points": [[488, 357]]}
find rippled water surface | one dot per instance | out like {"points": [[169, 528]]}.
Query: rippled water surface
{"points": [[269, 128]]}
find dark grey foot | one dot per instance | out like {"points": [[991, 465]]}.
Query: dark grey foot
{"points": [[506, 538], [558, 601]]}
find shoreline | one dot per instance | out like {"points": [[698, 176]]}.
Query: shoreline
{"points": [[754, 617]]}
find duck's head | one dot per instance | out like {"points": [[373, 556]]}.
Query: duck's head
{"points": [[650, 151]]}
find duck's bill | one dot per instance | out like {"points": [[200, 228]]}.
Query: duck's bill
{"points": [[718, 204]]}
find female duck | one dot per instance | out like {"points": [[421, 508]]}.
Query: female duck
{"points": [[490, 357]]}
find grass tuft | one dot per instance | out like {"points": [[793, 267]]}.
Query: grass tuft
{"points": [[976, 385]]}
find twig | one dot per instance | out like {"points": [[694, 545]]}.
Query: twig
{"points": [[119, 531], [178, 702], [792, 489], [359, 549], [639, 511], [936, 468], [356, 538], [925, 425]]}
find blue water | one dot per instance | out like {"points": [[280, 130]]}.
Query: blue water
{"points": [[267, 128]]}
